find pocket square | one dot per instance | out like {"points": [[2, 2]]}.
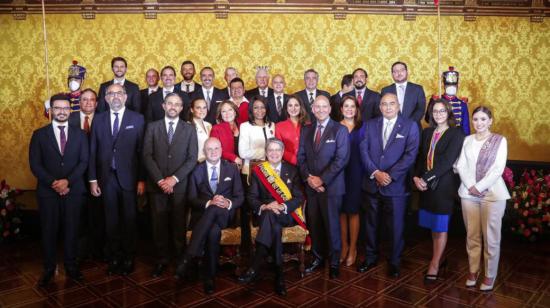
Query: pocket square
{"points": [[330, 141], [227, 179], [399, 136], [129, 127], [288, 181]]}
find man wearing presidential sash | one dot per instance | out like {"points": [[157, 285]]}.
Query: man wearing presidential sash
{"points": [[275, 196]]}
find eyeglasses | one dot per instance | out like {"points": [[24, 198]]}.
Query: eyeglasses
{"points": [[119, 94], [441, 111], [388, 104], [61, 108]]}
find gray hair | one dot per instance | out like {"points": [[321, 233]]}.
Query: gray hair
{"points": [[276, 141]]}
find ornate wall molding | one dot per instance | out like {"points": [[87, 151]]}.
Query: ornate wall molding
{"points": [[536, 10]]}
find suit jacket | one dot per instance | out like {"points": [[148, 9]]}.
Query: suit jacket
{"points": [[256, 91], [258, 193], [223, 132], [126, 149], [177, 87], [329, 160], [396, 159], [144, 94], [155, 112], [133, 102], [414, 101], [226, 92], [370, 106], [162, 159], [335, 103], [216, 97], [305, 99], [272, 114], [48, 164], [74, 119], [229, 186]]}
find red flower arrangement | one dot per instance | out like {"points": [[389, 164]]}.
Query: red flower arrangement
{"points": [[529, 206], [10, 214]]}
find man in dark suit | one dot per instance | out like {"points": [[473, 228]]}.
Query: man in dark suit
{"points": [[152, 79], [155, 111], [322, 156], [92, 224], [187, 86], [215, 193], [367, 99], [388, 153], [58, 157], [212, 95], [411, 97], [262, 82], [308, 95], [274, 207], [119, 67], [346, 85], [169, 156], [276, 103], [115, 172], [229, 74]]}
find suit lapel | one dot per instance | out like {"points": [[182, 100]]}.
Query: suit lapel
{"points": [[162, 133], [380, 132], [53, 141], [122, 127], [406, 104], [396, 128], [325, 134], [177, 132], [207, 182]]}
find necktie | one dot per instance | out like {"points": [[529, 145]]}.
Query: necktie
{"points": [[214, 179], [387, 132], [279, 105], [310, 98], [187, 87], [115, 125], [62, 138], [115, 134], [170, 132], [360, 98], [208, 98], [165, 92], [401, 97], [262, 93], [87, 124], [318, 136]]}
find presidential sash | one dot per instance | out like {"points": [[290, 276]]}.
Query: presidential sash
{"points": [[278, 189]]}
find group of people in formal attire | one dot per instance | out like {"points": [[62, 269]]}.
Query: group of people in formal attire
{"points": [[203, 154]]}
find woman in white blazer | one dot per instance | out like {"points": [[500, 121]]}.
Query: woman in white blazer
{"points": [[483, 196], [198, 113], [254, 134]]}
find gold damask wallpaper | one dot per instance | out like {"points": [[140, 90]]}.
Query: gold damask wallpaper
{"points": [[504, 62]]}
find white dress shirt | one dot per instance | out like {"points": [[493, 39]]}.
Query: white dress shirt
{"points": [[119, 81], [202, 135], [184, 86], [401, 96], [120, 115], [492, 183], [209, 173], [167, 123], [390, 125], [166, 91], [83, 117], [152, 90]]}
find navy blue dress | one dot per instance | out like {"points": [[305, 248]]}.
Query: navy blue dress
{"points": [[354, 174]]}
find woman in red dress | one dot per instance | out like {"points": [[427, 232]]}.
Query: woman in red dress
{"points": [[289, 130], [227, 131]]}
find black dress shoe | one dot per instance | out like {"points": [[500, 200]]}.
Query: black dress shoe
{"points": [[158, 270], [46, 278], [365, 266], [74, 274], [316, 264], [280, 287], [209, 287], [113, 268], [334, 272], [249, 276], [127, 267], [181, 269], [393, 271]]}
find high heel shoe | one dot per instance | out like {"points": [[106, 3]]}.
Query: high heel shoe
{"points": [[471, 283], [352, 255], [487, 287], [431, 278], [344, 254]]}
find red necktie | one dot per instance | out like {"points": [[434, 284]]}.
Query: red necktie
{"points": [[318, 136], [87, 124], [360, 99]]}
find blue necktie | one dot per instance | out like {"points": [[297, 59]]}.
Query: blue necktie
{"points": [[214, 179], [115, 134], [170, 132]]}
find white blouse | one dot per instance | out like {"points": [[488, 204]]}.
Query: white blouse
{"points": [[252, 142], [202, 135], [492, 183]]}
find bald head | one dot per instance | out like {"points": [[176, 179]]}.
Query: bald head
{"points": [[213, 150], [321, 108]]}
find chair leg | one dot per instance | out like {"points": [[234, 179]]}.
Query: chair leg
{"points": [[302, 257]]}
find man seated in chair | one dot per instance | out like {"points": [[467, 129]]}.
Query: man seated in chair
{"points": [[215, 192], [275, 196]]}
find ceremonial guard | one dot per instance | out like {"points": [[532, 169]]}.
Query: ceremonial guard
{"points": [[459, 105], [75, 80]]}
